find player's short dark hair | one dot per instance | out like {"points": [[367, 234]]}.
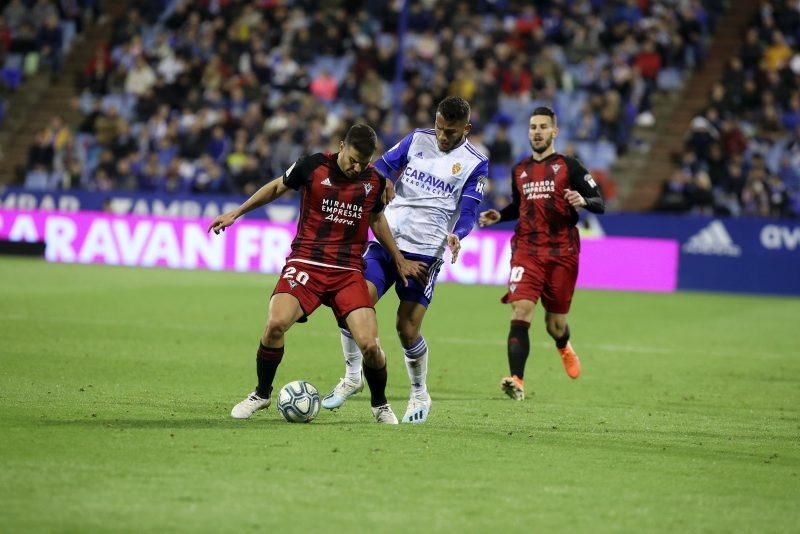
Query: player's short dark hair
{"points": [[362, 138], [454, 108], [547, 112]]}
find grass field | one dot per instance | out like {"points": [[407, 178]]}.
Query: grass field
{"points": [[116, 384]]}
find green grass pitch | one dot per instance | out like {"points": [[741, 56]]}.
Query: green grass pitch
{"points": [[116, 384]]}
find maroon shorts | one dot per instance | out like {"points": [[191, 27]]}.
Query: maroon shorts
{"points": [[550, 277], [344, 290]]}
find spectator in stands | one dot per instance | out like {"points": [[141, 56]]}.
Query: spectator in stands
{"points": [[43, 10], [50, 40], [755, 195], [16, 13], [675, 193], [778, 53], [5, 39], [41, 153], [140, 78]]}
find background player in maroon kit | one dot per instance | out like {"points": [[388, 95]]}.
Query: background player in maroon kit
{"points": [[548, 188], [341, 200]]}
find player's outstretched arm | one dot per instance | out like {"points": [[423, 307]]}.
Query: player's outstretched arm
{"points": [[405, 268], [262, 197]]}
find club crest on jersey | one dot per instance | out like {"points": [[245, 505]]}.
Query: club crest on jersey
{"points": [[368, 188], [456, 168], [555, 167]]}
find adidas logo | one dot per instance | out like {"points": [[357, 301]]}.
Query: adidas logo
{"points": [[326, 181], [524, 174], [713, 240]]}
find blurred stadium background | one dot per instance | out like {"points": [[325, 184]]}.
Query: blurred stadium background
{"points": [[124, 125], [681, 106]]}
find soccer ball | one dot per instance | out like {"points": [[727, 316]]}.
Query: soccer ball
{"points": [[298, 402]]}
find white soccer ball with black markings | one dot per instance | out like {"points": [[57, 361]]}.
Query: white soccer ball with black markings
{"points": [[298, 402]]}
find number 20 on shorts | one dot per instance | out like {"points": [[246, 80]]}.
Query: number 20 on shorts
{"points": [[291, 273]]}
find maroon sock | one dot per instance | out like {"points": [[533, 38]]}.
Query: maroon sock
{"points": [[376, 378], [267, 361], [519, 347], [561, 342]]}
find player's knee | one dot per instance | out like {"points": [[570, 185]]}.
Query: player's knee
{"points": [[407, 332], [276, 328], [371, 350], [556, 328], [521, 311]]}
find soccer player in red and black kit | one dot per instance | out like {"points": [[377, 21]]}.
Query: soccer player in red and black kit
{"points": [[340, 202], [548, 188]]}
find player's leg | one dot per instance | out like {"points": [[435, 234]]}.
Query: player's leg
{"points": [[518, 348], [379, 278], [284, 311], [351, 383], [409, 324], [524, 288], [353, 359], [414, 301], [557, 299], [363, 325], [558, 329]]}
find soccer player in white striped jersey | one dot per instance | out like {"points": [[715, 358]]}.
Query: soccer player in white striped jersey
{"points": [[438, 179]]}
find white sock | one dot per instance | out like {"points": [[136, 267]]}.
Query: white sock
{"points": [[353, 359], [417, 366]]}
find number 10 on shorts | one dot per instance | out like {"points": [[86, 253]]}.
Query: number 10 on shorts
{"points": [[516, 274]]}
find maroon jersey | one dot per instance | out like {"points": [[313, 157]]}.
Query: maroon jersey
{"points": [[547, 221], [334, 211]]}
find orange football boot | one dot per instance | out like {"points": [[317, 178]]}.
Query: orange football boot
{"points": [[572, 364]]}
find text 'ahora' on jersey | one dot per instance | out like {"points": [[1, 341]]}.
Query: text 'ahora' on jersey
{"points": [[334, 211]]}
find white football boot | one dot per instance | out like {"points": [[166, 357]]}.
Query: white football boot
{"points": [[384, 414], [249, 406], [418, 408], [345, 389]]}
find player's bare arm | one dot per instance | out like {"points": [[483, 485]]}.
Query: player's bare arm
{"points": [[455, 246], [388, 192], [405, 268], [262, 197], [489, 217]]}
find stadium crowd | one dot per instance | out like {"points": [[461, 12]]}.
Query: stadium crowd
{"points": [[217, 96], [742, 153], [39, 32]]}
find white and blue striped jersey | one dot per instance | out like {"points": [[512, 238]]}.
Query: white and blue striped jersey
{"points": [[429, 189]]}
